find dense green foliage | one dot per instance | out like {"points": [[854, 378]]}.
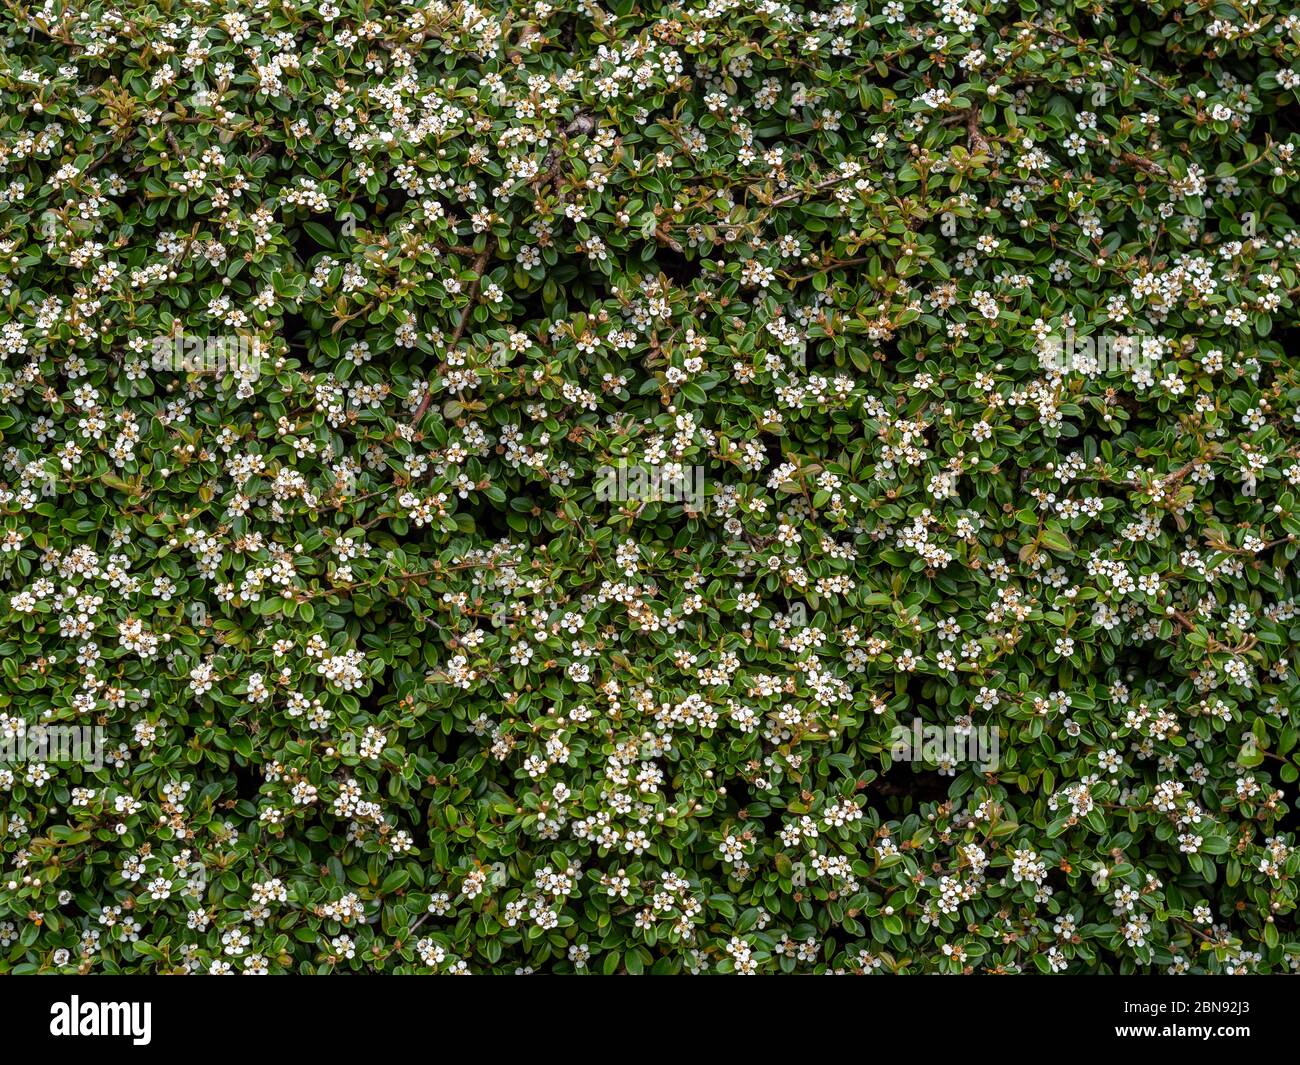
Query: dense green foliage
{"points": [[390, 680]]}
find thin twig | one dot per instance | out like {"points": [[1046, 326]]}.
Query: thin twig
{"points": [[480, 264]]}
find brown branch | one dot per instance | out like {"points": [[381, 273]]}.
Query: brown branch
{"points": [[790, 197], [975, 140], [554, 162], [480, 265]]}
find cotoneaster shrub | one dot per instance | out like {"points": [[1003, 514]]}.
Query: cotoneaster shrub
{"points": [[389, 682]]}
